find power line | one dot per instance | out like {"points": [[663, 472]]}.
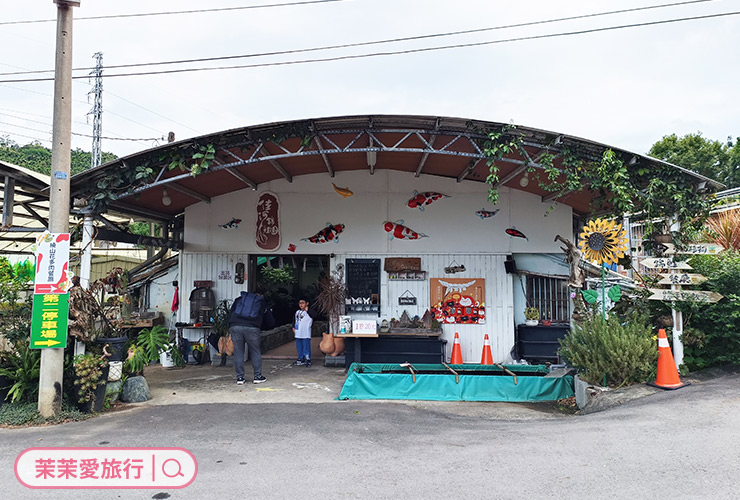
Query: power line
{"points": [[83, 102], [399, 52], [169, 13], [118, 137], [107, 111], [152, 112], [145, 139], [26, 136], [375, 42]]}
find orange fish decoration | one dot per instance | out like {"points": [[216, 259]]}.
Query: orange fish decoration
{"points": [[343, 192], [329, 233], [420, 200], [398, 230]]}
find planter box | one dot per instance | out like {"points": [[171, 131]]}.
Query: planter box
{"points": [[540, 343]]}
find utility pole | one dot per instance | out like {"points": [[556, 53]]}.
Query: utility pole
{"points": [[52, 360]]}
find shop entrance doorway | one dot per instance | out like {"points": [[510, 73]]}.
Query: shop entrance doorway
{"points": [[285, 279]]}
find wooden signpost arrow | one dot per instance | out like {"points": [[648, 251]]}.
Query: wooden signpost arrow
{"points": [[682, 279], [664, 263], [695, 295], [693, 249]]}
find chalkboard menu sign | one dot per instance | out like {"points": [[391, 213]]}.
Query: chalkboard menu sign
{"points": [[363, 285]]}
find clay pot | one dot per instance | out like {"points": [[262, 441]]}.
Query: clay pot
{"points": [[338, 346], [327, 344]]}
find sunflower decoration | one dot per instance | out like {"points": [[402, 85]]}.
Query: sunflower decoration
{"points": [[603, 241]]}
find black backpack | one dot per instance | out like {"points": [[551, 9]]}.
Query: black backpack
{"points": [[249, 307]]}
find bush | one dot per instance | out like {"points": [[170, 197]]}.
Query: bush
{"points": [[22, 367], [712, 331], [623, 352], [15, 414]]}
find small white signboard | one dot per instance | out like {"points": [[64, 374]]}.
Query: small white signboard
{"points": [[664, 263], [694, 249], [698, 296], [52, 262], [681, 279], [364, 327]]}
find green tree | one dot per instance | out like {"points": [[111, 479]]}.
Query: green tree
{"points": [[732, 178], [710, 158], [35, 156]]}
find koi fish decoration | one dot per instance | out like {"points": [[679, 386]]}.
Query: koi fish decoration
{"points": [[232, 224], [398, 230], [486, 214], [514, 232], [344, 192], [329, 233], [420, 200]]}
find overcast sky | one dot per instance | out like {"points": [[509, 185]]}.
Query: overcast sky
{"points": [[625, 87]]}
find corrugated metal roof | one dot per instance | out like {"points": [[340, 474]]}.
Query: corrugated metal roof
{"points": [[425, 145]]}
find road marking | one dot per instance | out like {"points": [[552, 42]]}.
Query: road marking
{"points": [[311, 385]]}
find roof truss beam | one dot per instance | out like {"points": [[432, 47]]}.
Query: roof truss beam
{"points": [[35, 214], [233, 171], [429, 145], [189, 192], [275, 163], [329, 167]]}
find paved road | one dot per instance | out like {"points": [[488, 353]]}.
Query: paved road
{"points": [[679, 444]]}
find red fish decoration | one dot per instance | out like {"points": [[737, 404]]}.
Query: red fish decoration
{"points": [[512, 231], [420, 200], [485, 214], [329, 233], [398, 230]]}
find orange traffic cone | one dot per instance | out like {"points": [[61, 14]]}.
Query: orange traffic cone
{"points": [[486, 358], [456, 358], [667, 377]]}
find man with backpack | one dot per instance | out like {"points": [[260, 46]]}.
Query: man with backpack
{"points": [[249, 314]]}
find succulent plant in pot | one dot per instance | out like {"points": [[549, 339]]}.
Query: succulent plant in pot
{"points": [[532, 316], [91, 371]]}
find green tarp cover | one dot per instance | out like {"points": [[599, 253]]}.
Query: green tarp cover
{"points": [[391, 381]]}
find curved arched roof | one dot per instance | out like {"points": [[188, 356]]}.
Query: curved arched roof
{"points": [[425, 145]]}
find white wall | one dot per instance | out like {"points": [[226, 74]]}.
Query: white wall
{"points": [[455, 233], [499, 302], [161, 292], [309, 202]]}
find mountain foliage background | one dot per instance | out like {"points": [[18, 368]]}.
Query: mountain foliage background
{"points": [[37, 157]]}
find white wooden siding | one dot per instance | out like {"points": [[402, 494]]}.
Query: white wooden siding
{"points": [[208, 266], [499, 300]]}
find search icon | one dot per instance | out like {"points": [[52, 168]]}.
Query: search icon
{"points": [[179, 468]]}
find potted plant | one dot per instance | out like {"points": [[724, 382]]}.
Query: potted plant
{"points": [[330, 301], [220, 329], [148, 346], [91, 372], [93, 319], [532, 316], [546, 320]]}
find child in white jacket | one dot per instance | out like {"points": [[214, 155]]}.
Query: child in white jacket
{"points": [[302, 330]]}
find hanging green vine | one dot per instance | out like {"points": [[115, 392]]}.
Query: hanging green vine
{"points": [[655, 193], [500, 143], [122, 180]]}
